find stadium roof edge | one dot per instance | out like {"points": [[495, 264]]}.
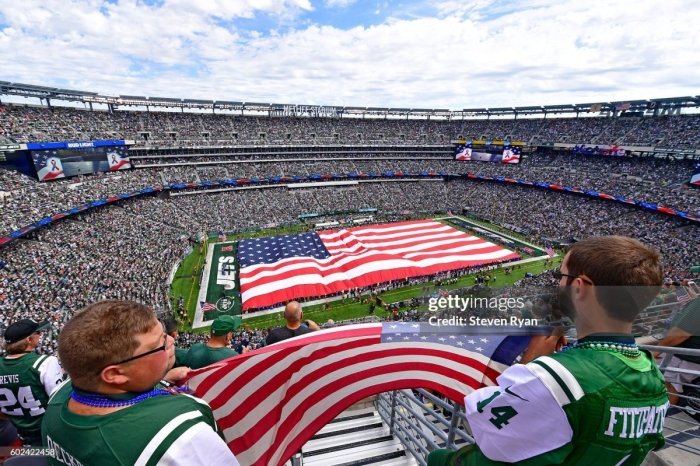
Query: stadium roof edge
{"points": [[656, 105]]}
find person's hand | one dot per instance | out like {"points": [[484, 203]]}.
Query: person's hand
{"points": [[177, 374], [542, 345], [245, 349], [312, 325]]}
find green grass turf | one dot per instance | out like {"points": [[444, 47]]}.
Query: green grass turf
{"points": [[186, 282]]}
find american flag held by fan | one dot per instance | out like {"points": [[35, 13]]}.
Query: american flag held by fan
{"points": [[269, 402]]}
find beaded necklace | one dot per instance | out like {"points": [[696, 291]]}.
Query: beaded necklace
{"points": [[631, 350], [98, 400]]}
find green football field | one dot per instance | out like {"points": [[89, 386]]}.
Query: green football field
{"points": [[210, 274]]}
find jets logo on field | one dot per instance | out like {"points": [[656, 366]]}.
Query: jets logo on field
{"points": [[225, 304], [226, 275]]}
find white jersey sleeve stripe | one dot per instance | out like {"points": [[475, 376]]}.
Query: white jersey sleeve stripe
{"points": [[51, 374], [163, 434], [198, 445], [198, 400], [59, 387], [566, 376], [38, 362], [549, 382]]}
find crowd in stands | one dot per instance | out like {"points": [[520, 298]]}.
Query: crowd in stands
{"points": [[571, 217], [111, 253], [34, 124], [643, 179], [128, 250], [659, 181]]}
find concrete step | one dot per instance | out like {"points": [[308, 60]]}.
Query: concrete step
{"points": [[368, 451], [355, 438]]}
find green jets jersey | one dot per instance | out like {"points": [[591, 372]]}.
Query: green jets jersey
{"points": [[180, 357], [25, 385], [201, 355], [581, 407], [168, 429]]}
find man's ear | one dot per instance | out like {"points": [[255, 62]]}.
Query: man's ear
{"points": [[113, 375], [582, 290]]}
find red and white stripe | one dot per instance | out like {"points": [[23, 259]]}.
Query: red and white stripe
{"points": [[365, 256], [271, 401], [122, 164]]}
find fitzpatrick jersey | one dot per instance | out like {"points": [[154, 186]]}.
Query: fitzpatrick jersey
{"points": [[26, 383], [170, 429], [580, 407], [201, 355]]}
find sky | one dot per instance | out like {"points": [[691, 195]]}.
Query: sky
{"points": [[409, 54]]}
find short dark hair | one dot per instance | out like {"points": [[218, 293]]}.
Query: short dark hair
{"points": [[628, 274], [170, 325]]}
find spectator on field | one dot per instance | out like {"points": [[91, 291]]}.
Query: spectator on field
{"points": [[296, 325], [114, 411], [219, 345]]}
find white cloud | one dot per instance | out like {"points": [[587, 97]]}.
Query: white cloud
{"points": [[468, 54], [339, 3]]}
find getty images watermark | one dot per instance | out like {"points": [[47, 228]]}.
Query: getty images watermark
{"points": [[471, 303]]}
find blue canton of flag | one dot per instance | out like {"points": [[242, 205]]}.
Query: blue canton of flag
{"points": [[500, 348], [275, 248], [41, 161]]}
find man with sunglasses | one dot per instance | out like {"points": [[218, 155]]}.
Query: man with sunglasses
{"points": [[114, 410], [27, 379], [600, 401]]}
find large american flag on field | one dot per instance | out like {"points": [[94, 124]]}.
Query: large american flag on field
{"points": [[281, 268], [271, 401]]}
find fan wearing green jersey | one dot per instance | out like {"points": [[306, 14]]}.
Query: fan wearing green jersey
{"points": [[218, 347], [113, 411], [601, 401], [27, 379]]}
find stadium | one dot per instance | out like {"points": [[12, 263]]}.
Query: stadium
{"points": [[189, 188], [349, 234]]}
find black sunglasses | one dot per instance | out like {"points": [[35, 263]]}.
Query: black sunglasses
{"points": [[558, 275]]}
